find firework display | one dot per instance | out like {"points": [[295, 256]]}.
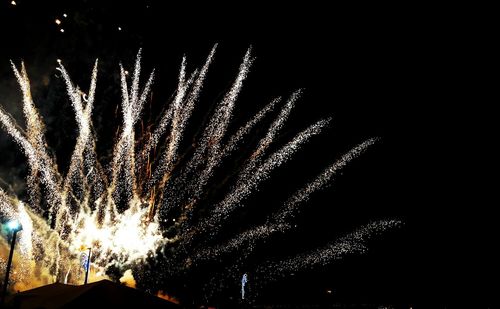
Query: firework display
{"points": [[149, 202]]}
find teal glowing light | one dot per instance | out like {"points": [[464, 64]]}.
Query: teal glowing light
{"points": [[14, 225]]}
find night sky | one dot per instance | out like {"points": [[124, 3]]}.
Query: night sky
{"points": [[400, 77]]}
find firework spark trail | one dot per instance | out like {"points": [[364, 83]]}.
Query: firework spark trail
{"points": [[40, 160], [237, 138], [175, 134], [247, 240], [277, 124], [256, 158], [217, 127], [29, 150], [135, 84], [33, 124], [352, 243]]}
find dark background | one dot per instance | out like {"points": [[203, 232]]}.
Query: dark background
{"points": [[408, 77]]}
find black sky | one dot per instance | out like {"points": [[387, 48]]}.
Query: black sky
{"points": [[400, 77]]}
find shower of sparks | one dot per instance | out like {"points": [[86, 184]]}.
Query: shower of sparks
{"points": [[123, 209]]}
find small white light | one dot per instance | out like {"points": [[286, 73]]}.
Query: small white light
{"points": [[58, 60], [65, 15], [62, 30], [126, 72], [58, 21], [13, 2], [119, 28], [173, 220]]}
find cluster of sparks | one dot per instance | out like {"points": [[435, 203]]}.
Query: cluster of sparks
{"points": [[120, 210]]}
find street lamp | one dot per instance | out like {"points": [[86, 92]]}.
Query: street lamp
{"points": [[14, 226]]}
